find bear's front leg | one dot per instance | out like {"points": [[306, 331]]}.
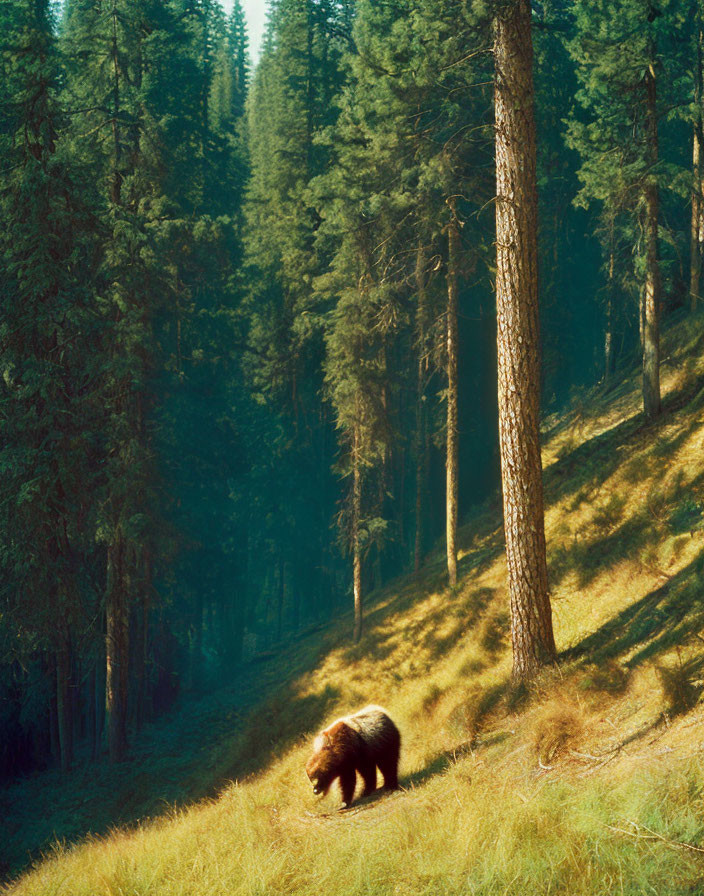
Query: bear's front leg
{"points": [[348, 779]]}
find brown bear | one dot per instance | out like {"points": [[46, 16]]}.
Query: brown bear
{"points": [[356, 743]]}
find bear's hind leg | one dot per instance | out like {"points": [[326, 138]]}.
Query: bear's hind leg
{"points": [[348, 780], [367, 770], [389, 769]]}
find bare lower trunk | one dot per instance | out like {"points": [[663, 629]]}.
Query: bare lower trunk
{"points": [[519, 343], [117, 648], [50, 667], [609, 342], [421, 454], [281, 598], [140, 639], [356, 545], [64, 704], [90, 712], [651, 333], [452, 433], [696, 226], [609, 356]]}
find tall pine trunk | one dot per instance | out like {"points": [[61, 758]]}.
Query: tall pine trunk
{"points": [[140, 640], [609, 355], [421, 424], [281, 598], [356, 543], [651, 311], [64, 702], [452, 432], [50, 668], [697, 199], [91, 711], [519, 342], [117, 648]]}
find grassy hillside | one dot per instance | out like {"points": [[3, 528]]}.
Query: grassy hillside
{"points": [[591, 781]]}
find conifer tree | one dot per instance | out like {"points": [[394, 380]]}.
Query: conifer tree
{"points": [[289, 104], [48, 372], [518, 341], [697, 219], [120, 77], [410, 106], [625, 84]]}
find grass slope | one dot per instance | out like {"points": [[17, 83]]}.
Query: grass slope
{"points": [[589, 782]]}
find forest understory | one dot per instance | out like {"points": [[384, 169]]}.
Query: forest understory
{"points": [[588, 780]]}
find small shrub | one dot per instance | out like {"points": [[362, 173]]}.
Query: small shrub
{"points": [[558, 726]]}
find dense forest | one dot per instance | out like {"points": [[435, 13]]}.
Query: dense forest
{"points": [[249, 367]]}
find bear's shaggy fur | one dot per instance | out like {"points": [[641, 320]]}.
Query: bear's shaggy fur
{"points": [[360, 742]]}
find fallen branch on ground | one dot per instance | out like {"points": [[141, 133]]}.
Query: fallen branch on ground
{"points": [[638, 834]]}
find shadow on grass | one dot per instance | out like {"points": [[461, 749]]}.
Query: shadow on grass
{"points": [[668, 617], [436, 766], [183, 758], [674, 512], [588, 465]]}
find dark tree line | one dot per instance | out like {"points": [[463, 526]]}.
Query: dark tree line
{"points": [[248, 350]]}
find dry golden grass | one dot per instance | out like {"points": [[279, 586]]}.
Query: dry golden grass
{"points": [[590, 781]]}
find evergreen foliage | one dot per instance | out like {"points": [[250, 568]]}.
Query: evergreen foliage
{"points": [[247, 313]]}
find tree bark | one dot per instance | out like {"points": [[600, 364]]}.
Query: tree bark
{"points": [[421, 454], [64, 704], [140, 639], [281, 599], [609, 357], [356, 545], [50, 667], [651, 334], [519, 342], [117, 648], [453, 236], [696, 227]]}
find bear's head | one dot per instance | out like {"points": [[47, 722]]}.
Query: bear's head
{"points": [[324, 765]]}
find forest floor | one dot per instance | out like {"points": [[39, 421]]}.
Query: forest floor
{"points": [[590, 781]]}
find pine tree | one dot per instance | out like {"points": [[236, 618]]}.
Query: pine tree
{"points": [[290, 103], [409, 105], [120, 68], [697, 219], [625, 86], [518, 341], [49, 399]]}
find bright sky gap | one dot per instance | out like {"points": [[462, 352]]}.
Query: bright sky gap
{"points": [[255, 10]]}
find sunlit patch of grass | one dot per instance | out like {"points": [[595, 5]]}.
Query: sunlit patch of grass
{"points": [[462, 831]]}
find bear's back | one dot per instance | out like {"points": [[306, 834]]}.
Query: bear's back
{"points": [[371, 722]]}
